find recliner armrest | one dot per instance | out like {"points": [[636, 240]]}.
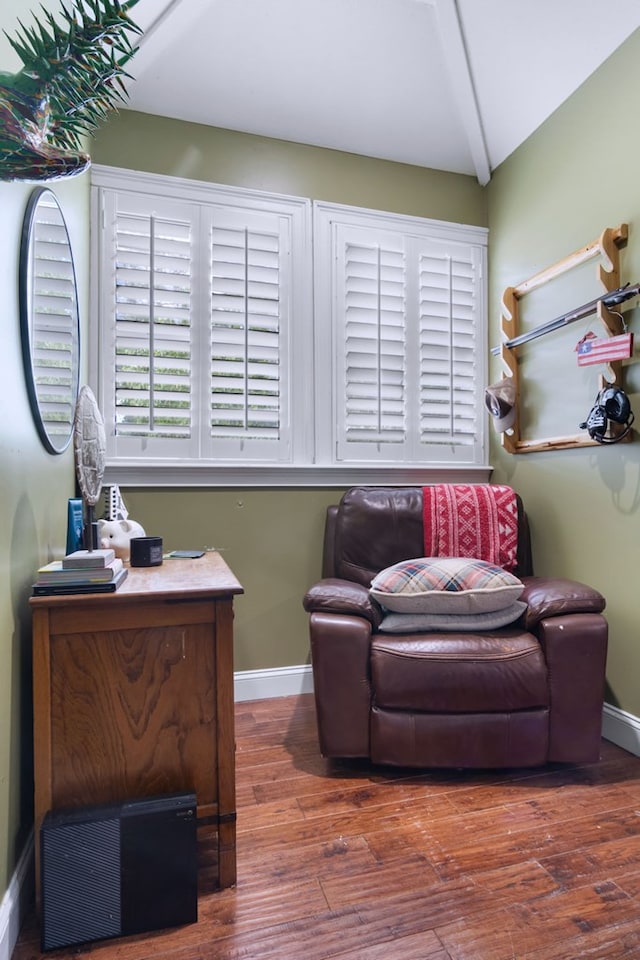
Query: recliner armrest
{"points": [[344, 597], [553, 597]]}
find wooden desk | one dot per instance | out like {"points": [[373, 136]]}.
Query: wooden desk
{"points": [[133, 696]]}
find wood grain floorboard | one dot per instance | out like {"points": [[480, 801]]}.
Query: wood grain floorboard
{"points": [[347, 861]]}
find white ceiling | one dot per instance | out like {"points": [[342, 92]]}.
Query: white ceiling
{"points": [[451, 84]]}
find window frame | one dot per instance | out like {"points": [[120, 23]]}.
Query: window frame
{"points": [[311, 463], [329, 219]]}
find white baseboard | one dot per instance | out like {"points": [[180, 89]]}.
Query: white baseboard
{"points": [[275, 682], [621, 728], [16, 901]]}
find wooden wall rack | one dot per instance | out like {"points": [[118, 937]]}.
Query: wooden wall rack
{"points": [[607, 248]]}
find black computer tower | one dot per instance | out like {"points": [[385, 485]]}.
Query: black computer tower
{"points": [[113, 870]]}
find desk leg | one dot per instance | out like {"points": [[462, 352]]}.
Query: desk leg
{"points": [[226, 744]]}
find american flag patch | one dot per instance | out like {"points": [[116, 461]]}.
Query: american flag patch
{"points": [[592, 349]]}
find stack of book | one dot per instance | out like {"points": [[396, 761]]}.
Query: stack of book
{"points": [[83, 571]]}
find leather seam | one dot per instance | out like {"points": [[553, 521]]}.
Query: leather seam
{"points": [[417, 655]]}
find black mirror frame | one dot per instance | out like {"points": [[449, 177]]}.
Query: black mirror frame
{"points": [[25, 278]]}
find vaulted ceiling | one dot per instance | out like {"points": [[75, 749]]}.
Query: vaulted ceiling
{"points": [[455, 85]]}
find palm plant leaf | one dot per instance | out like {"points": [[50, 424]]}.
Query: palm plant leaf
{"points": [[72, 76]]}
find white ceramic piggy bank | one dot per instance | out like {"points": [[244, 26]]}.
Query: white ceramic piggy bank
{"points": [[117, 534]]}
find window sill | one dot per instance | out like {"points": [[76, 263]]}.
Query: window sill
{"points": [[163, 474]]}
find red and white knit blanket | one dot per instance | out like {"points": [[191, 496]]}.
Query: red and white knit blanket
{"points": [[471, 520]]}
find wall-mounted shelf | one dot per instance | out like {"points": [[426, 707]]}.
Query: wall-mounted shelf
{"points": [[607, 249]]}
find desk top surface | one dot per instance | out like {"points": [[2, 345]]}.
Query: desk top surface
{"points": [[204, 577]]}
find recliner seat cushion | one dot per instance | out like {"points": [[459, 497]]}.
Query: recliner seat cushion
{"points": [[502, 670]]}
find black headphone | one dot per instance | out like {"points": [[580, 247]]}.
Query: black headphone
{"points": [[612, 403]]}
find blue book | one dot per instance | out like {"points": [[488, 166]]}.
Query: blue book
{"points": [[75, 523]]}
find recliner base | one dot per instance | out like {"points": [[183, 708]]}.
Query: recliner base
{"points": [[471, 740]]}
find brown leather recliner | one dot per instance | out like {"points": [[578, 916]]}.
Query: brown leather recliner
{"points": [[520, 695]]}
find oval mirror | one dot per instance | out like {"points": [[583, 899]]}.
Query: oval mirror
{"points": [[49, 320]]}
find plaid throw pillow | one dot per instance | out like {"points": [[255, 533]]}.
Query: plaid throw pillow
{"points": [[445, 585]]}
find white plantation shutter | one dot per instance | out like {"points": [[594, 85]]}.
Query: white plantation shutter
{"points": [[196, 288], [246, 338], [372, 365], [249, 265], [408, 340], [153, 327], [449, 348], [153, 246]]}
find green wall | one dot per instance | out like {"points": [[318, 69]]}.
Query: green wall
{"points": [[139, 141], [34, 488], [272, 539], [572, 178]]}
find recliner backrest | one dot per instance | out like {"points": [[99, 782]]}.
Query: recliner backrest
{"points": [[375, 527]]}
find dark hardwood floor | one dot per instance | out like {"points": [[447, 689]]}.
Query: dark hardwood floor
{"points": [[358, 863]]}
